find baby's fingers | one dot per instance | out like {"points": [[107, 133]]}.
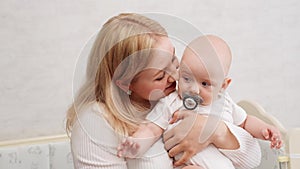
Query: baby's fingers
{"points": [[127, 142], [136, 146], [120, 149], [276, 141], [266, 134], [279, 144], [176, 116], [120, 153]]}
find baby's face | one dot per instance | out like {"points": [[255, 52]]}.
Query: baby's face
{"points": [[194, 79]]}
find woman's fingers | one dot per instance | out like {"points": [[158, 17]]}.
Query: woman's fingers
{"points": [[184, 158], [180, 131], [179, 149], [175, 150], [174, 137], [167, 136]]}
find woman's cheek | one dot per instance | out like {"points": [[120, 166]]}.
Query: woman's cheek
{"points": [[154, 95]]}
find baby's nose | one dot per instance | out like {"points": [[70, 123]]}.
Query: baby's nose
{"points": [[195, 89]]}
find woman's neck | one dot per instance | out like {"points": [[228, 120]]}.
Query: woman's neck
{"points": [[140, 102]]}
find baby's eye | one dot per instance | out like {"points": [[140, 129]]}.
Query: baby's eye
{"points": [[187, 79], [205, 84]]}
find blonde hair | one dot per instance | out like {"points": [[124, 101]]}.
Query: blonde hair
{"points": [[121, 36]]}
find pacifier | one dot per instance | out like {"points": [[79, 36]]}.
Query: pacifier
{"points": [[190, 102]]}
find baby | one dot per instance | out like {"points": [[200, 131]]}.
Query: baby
{"points": [[203, 79]]}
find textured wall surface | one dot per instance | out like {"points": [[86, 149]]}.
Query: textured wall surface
{"points": [[41, 40]]}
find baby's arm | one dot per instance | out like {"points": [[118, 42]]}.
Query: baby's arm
{"points": [[149, 133], [140, 141], [261, 130]]}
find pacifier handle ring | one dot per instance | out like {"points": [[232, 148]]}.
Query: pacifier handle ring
{"points": [[187, 99]]}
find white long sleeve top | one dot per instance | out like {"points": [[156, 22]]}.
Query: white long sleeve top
{"points": [[94, 146]]}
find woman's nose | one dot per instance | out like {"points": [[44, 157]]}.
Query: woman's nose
{"points": [[172, 78]]}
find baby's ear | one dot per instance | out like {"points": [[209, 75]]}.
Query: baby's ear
{"points": [[225, 84], [122, 85]]}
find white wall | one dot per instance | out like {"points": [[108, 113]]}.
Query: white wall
{"points": [[40, 42]]}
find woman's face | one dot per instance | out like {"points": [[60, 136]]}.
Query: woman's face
{"points": [[158, 79]]}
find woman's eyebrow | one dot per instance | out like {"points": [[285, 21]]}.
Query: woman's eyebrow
{"points": [[157, 73]]}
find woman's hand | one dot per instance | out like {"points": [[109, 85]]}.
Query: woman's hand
{"points": [[185, 136]]}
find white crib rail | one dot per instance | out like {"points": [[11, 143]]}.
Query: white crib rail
{"points": [[51, 152], [293, 148]]}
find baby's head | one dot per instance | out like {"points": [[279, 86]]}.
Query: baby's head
{"points": [[204, 68]]}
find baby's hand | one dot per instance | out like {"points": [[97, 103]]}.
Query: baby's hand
{"points": [[273, 134], [176, 117], [128, 148]]}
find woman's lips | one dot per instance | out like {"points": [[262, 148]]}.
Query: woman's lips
{"points": [[171, 87]]}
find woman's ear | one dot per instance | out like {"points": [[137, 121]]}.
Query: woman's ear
{"points": [[225, 84], [122, 85]]}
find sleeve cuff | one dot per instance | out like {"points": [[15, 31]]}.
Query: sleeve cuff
{"points": [[248, 155]]}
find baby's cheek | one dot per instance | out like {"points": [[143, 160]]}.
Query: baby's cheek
{"points": [[207, 98], [183, 87]]}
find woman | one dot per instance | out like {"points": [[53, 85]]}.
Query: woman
{"points": [[131, 66]]}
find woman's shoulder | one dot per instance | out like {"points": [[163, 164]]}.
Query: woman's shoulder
{"points": [[91, 112], [91, 123], [93, 141]]}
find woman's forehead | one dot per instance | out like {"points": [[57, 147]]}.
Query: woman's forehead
{"points": [[160, 59], [164, 43], [148, 73]]}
